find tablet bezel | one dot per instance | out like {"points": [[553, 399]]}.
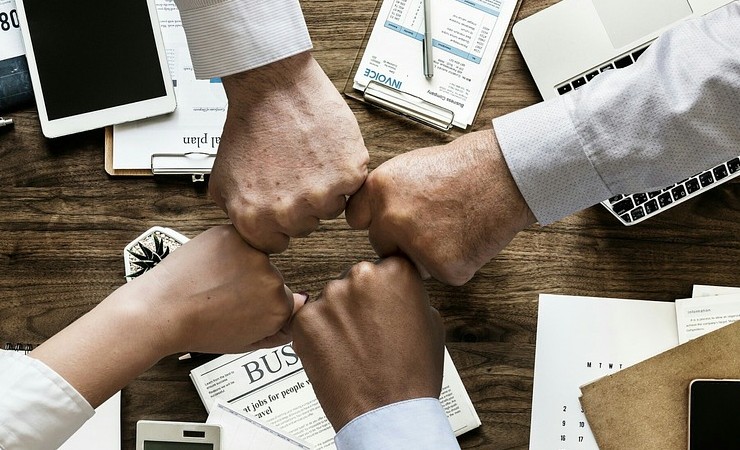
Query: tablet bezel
{"points": [[103, 117]]}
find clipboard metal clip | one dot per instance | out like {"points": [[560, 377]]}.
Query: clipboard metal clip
{"points": [[197, 164], [408, 105]]}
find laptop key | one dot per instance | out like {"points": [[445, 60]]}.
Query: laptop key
{"points": [[678, 192], [564, 89], [626, 218], [651, 206], [637, 53], [623, 206], [623, 62], [578, 82], [692, 185], [590, 76], [638, 213], [607, 67], [720, 172], [665, 199], [706, 178], [733, 165], [616, 198], [640, 198], [653, 194]]}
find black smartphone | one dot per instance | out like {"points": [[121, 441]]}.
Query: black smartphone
{"points": [[714, 414]]}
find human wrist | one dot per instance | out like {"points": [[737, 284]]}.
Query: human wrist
{"points": [[141, 305], [263, 84]]}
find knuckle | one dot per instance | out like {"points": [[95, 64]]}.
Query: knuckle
{"points": [[362, 271], [332, 290]]}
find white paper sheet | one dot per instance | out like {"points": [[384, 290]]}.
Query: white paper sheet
{"points": [[699, 316], [703, 290], [580, 339]]}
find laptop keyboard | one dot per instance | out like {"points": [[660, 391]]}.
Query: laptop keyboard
{"points": [[634, 208]]}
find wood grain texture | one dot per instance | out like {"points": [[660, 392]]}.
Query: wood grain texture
{"points": [[64, 223]]}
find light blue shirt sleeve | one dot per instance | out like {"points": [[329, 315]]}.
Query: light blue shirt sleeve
{"points": [[408, 425], [670, 115]]}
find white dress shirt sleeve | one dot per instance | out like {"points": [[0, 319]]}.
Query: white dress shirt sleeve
{"points": [[230, 36], [39, 410], [672, 114], [412, 424]]}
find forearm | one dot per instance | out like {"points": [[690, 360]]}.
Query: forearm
{"points": [[668, 116], [108, 347], [231, 36]]}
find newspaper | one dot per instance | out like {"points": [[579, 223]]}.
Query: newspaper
{"points": [[272, 386]]}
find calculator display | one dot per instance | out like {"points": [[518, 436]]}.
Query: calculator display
{"points": [[159, 445]]}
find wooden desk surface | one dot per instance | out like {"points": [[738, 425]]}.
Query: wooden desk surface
{"points": [[64, 223]]}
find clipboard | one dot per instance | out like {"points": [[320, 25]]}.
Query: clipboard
{"points": [[410, 105], [197, 164]]}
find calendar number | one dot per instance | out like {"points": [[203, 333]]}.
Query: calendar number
{"points": [[9, 20]]}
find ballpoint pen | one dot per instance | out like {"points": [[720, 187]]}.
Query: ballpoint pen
{"points": [[427, 41], [5, 122]]}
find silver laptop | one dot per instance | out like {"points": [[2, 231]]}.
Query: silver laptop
{"points": [[568, 44]]}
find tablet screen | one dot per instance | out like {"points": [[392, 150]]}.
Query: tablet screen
{"points": [[93, 54]]}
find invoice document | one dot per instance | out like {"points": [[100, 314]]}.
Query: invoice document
{"points": [[466, 36]]}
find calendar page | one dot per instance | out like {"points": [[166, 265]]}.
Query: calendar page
{"points": [[580, 339]]}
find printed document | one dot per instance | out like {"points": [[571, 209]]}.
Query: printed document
{"points": [[467, 37], [11, 40], [709, 311], [580, 339], [272, 386], [242, 431], [198, 120]]}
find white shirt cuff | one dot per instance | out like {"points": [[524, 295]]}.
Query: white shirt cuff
{"points": [[412, 424], [38, 408], [231, 36], [547, 160]]}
